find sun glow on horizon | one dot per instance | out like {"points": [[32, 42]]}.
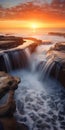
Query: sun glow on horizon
{"points": [[34, 25], [19, 24]]}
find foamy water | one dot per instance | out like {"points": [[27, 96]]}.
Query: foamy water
{"points": [[40, 104]]}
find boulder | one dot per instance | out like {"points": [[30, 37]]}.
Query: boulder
{"points": [[7, 83]]}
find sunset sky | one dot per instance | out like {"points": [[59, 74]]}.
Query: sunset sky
{"points": [[32, 13]]}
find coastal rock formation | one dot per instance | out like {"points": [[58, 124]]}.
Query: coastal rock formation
{"points": [[8, 84], [58, 56], [8, 42], [57, 34]]}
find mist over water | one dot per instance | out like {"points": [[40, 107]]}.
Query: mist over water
{"points": [[40, 100]]}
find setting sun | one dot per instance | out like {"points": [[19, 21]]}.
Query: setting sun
{"points": [[34, 26]]}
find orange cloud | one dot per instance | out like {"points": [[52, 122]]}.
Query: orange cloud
{"points": [[52, 14]]}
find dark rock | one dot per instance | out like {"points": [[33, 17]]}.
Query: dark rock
{"points": [[9, 107], [1, 126], [22, 126], [8, 123], [58, 69], [57, 34], [8, 42], [8, 84], [5, 81]]}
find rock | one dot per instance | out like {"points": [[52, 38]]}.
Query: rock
{"points": [[1, 126], [8, 108], [8, 84], [58, 69], [22, 126], [11, 124], [36, 43], [8, 42], [8, 123], [57, 34]]}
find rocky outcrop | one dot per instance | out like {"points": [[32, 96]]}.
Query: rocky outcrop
{"points": [[58, 69], [57, 34], [59, 47], [8, 42], [8, 84]]}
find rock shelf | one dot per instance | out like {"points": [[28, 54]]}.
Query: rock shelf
{"points": [[8, 84]]}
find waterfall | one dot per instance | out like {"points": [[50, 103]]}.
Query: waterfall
{"points": [[46, 68], [58, 68], [13, 60], [41, 65], [36, 62], [40, 100], [7, 62]]}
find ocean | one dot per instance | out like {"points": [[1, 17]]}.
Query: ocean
{"points": [[41, 33]]}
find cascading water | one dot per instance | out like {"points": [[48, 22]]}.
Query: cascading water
{"points": [[40, 105], [13, 60], [7, 62], [40, 100]]}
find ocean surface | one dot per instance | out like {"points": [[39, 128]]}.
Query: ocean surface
{"points": [[37, 33]]}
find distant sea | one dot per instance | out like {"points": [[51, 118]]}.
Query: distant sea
{"points": [[36, 33]]}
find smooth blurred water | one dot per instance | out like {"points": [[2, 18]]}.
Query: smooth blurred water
{"points": [[40, 104]]}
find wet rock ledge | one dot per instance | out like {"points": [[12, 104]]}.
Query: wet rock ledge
{"points": [[8, 84]]}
